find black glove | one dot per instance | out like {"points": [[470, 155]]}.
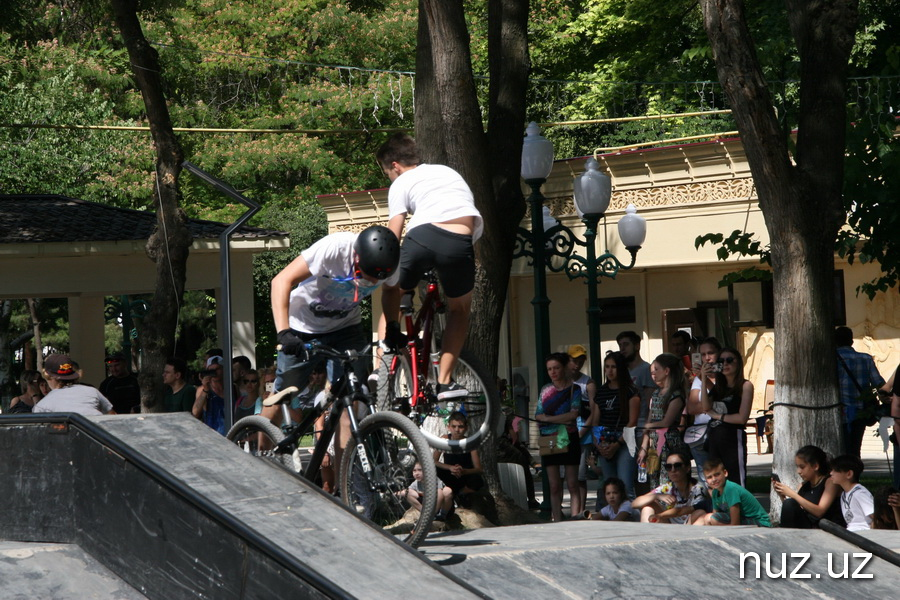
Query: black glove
{"points": [[290, 341], [394, 339]]}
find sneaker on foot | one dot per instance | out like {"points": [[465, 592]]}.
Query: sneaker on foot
{"points": [[451, 390], [440, 516]]}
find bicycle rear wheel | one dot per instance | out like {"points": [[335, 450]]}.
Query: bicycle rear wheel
{"points": [[258, 436], [481, 405], [380, 465]]}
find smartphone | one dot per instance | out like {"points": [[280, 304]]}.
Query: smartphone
{"points": [[696, 361], [716, 367], [775, 477], [270, 386]]}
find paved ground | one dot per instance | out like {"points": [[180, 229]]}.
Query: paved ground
{"points": [[574, 559], [596, 559]]}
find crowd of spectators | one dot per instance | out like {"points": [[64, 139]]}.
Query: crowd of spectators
{"points": [[644, 428]]}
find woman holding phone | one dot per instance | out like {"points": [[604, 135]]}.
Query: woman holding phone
{"points": [[728, 405]]}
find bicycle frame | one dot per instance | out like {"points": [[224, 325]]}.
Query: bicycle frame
{"points": [[423, 323], [351, 391]]}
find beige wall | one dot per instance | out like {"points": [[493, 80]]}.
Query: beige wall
{"points": [[876, 324]]}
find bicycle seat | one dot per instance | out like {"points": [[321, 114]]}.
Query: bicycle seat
{"points": [[282, 396]]}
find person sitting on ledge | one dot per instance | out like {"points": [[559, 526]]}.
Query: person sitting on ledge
{"points": [[679, 500], [816, 499], [732, 504], [66, 394]]}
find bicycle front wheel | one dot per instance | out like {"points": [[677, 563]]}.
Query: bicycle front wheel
{"points": [[258, 436], [376, 471]]}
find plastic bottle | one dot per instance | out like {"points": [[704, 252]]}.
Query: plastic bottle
{"points": [[642, 473]]}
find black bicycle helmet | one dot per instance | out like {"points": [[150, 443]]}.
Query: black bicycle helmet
{"points": [[378, 251]]}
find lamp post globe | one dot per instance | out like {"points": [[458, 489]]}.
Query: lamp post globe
{"points": [[537, 155], [592, 190], [632, 228]]}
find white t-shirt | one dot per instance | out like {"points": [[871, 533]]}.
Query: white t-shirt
{"points": [[329, 299], [701, 418], [433, 194], [81, 399], [858, 506], [607, 511]]}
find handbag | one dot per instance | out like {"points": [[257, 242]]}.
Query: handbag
{"points": [[652, 462], [695, 435], [558, 443]]}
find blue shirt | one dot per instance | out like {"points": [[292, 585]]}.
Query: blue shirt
{"points": [[863, 368]]}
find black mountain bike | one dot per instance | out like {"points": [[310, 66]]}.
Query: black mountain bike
{"points": [[377, 462]]}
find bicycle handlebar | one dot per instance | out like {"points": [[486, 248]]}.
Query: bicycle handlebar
{"points": [[316, 348]]}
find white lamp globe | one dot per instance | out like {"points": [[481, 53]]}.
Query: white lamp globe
{"points": [[592, 189], [537, 154], [632, 228]]}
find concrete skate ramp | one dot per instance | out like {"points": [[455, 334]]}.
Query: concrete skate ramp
{"points": [[176, 511], [596, 559]]}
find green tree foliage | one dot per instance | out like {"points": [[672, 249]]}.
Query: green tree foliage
{"points": [[274, 64], [872, 200]]}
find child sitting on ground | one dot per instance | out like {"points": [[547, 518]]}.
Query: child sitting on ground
{"points": [[857, 503], [618, 507], [461, 472], [732, 504], [414, 494]]}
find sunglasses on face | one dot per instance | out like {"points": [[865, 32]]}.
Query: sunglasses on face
{"points": [[728, 359], [673, 466], [251, 381]]}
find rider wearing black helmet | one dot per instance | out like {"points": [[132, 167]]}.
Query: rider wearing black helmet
{"points": [[377, 252], [316, 299]]}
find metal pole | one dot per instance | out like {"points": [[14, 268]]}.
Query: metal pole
{"points": [[594, 309], [225, 266], [540, 301]]}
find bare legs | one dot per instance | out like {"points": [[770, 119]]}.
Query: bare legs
{"points": [[556, 491], [454, 334]]}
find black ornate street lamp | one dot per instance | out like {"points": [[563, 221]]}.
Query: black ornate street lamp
{"points": [[544, 243], [537, 162], [593, 190]]}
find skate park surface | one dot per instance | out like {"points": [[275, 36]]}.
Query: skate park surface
{"points": [[160, 506]]}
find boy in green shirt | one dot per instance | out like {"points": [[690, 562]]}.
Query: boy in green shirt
{"points": [[732, 504]]}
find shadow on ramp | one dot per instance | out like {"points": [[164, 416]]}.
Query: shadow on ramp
{"points": [[176, 511]]}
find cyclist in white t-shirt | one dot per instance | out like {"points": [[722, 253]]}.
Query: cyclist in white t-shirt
{"points": [[442, 230], [316, 299]]}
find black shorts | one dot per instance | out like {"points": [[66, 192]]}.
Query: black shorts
{"points": [[450, 254]]}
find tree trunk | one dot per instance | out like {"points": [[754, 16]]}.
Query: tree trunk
{"points": [[170, 243], [449, 129], [801, 204]]}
